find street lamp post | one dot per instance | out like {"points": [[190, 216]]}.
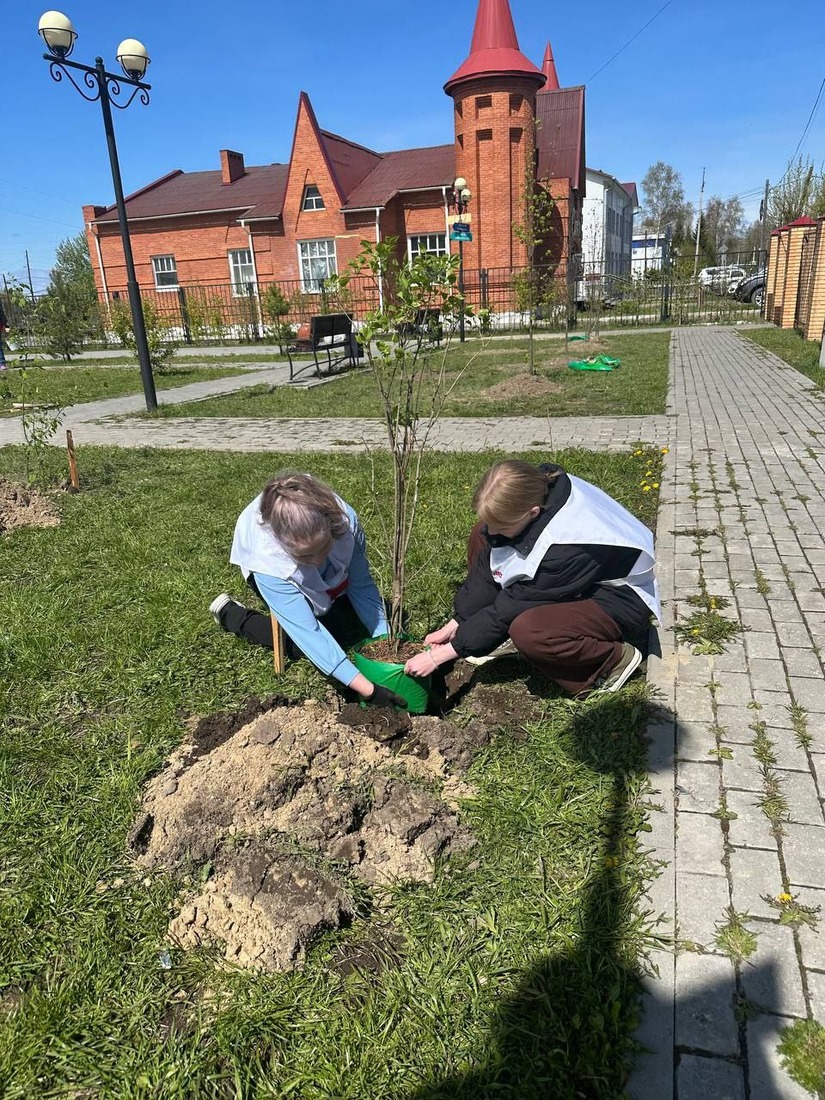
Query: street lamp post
{"points": [[461, 200], [59, 34]]}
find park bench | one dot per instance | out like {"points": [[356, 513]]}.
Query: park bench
{"points": [[427, 323], [331, 342]]}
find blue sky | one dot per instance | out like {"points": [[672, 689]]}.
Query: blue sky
{"points": [[711, 83]]}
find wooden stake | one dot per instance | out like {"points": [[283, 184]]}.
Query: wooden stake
{"points": [[72, 461], [278, 657]]}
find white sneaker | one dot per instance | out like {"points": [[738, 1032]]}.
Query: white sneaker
{"points": [[621, 672], [506, 649], [218, 604]]}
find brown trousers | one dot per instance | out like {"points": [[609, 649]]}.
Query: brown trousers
{"points": [[574, 643]]}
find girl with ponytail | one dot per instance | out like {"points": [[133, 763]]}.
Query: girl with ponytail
{"points": [[557, 571]]}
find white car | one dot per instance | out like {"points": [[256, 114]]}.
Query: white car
{"points": [[722, 279]]}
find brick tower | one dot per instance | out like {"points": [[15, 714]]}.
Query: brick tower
{"points": [[494, 93]]}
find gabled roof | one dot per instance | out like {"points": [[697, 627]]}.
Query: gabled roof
{"points": [[405, 170], [350, 162], [560, 135], [494, 50], [628, 188], [180, 193]]}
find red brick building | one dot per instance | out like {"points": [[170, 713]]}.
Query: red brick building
{"points": [[297, 223]]}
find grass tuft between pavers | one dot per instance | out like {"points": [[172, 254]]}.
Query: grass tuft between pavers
{"points": [[516, 974]]}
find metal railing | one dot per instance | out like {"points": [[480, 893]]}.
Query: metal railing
{"points": [[498, 300]]}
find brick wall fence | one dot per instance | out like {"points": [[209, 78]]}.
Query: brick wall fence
{"points": [[795, 285]]}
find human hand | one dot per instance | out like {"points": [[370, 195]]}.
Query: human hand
{"points": [[422, 664], [444, 635], [383, 697]]}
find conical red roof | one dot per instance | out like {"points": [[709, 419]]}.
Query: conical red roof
{"points": [[548, 67], [494, 50]]}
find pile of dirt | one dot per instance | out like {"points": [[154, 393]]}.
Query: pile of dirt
{"points": [[22, 507], [522, 385], [284, 814]]}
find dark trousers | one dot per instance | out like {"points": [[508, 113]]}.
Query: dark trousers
{"points": [[573, 643], [244, 622]]}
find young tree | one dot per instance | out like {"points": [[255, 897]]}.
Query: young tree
{"points": [[533, 230], [409, 367]]}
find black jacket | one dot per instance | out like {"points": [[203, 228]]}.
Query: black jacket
{"points": [[485, 610]]}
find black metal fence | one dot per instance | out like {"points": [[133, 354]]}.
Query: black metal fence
{"points": [[498, 300]]}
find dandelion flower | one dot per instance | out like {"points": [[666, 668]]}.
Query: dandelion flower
{"points": [[645, 488], [783, 899], [665, 450]]}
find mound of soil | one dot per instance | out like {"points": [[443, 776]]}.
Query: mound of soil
{"points": [[285, 812], [22, 507], [522, 385]]}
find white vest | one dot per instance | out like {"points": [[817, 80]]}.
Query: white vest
{"points": [[255, 549], [589, 517]]}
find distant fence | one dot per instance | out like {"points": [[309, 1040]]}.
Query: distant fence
{"points": [[498, 300]]}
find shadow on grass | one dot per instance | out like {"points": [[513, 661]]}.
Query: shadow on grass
{"points": [[570, 1016], [564, 1030]]}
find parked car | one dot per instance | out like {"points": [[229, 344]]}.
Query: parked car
{"points": [[721, 279], [751, 289]]}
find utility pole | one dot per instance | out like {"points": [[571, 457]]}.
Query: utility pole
{"points": [[764, 219], [699, 226], [29, 269]]}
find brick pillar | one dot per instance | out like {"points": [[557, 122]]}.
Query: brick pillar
{"points": [[816, 316], [796, 234]]}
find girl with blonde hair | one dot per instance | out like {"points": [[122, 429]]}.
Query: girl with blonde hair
{"points": [[557, 571], [302, 550]]}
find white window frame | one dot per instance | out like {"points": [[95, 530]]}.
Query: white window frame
{"points": [[440, 249], [313, 201], [239, 285], [306, 257], [165, 269]]}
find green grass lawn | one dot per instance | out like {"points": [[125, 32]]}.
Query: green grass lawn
{"points": [[790, 346], [75, 383], [518, 974], [490, 380]]}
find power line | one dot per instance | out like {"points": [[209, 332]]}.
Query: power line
{"points": [[37, 218], [810, 120], [34, 191], [629, 42]]}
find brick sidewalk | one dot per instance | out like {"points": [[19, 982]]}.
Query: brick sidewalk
{"points": [[738, 754]]}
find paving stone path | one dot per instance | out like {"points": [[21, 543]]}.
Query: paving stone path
{"points": [[738, 748], [738, 753]]}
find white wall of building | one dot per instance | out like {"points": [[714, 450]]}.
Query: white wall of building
{"points": [[607, 226], [648, 250]]}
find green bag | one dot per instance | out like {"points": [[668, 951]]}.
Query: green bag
{"points": [[415, 689], [601, 362]]}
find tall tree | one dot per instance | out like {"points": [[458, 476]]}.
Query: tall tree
{"points": [[69, 312], [800, 192], [74, 264], [722, 222], [664, 198]]}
